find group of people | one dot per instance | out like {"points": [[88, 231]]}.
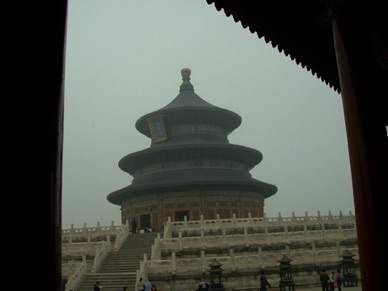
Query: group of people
{"points": [[135, 229], [145, 285], [264, 282], [97, 286], [328, 282], [140, 285], [331, 282], [203, 286]]}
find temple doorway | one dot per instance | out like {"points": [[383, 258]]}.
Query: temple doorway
{"points": [[180, 215], [145, 222]]}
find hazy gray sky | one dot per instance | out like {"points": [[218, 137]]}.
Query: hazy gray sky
{"points": [[123, 60]]}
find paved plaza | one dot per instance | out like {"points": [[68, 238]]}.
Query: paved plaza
{"points": [[357, 288]]}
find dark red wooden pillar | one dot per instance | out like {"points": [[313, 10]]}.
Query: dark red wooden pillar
{"points": [[363, 81], [51, 85]]}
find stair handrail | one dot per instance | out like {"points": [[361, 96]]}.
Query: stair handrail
{"points": [[74, 279], [100, 255], [143, 271], [122, 235], [167, 228]]}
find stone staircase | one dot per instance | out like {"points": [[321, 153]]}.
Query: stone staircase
{"points": [[119, 267]]}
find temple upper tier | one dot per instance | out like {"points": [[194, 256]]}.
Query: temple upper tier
{"points": [[190, 168]]}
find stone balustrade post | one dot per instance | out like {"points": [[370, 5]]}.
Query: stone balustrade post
{"points": [[246, 238], [203, 241], [144, 267], [224, 236], [85, 229], [98, 228], [259, 256], [203, 262], [314, 253], [185, 222], [173, 263], [286, 234], [180, 240], [338, 247], [89, 243], [232, 260]]}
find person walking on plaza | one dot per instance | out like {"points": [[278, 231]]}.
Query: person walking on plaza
{"points": [[134, 225], [331, 281], [324, 278], [147, 285], [203, 286], [140, 285], [97, 286], [263, 282], [338, 279]]}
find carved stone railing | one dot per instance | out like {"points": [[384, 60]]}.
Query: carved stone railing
{"points": [[90, 233], [96, 242], [81, 249], [75, 277], [101, 254], [156, 248], [228, 233], [122, 235], [308, 240], [256, 222], [254, 231], [230, 241], [233, 262]]}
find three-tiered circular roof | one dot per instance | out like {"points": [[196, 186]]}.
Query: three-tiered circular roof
{"points": [[189, 107], [193, 158]]}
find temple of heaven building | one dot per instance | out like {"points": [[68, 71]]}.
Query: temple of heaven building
{"points": [[190, 168]]}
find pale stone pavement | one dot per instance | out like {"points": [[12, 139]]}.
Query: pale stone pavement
{"points": [[354, 288]]}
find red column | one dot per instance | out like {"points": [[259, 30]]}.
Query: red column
{"points": [[362, 82]]}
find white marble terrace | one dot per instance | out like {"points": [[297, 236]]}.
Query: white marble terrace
{"points": [[205, 235]]}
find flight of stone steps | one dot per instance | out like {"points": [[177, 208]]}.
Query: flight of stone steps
{"points": [[119, 267]]}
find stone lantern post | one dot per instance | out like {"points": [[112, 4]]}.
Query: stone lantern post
{"points": [[215, 276], [285, 272], [348, 267]]}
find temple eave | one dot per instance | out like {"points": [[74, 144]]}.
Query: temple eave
{"points": [[260, 188]]}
